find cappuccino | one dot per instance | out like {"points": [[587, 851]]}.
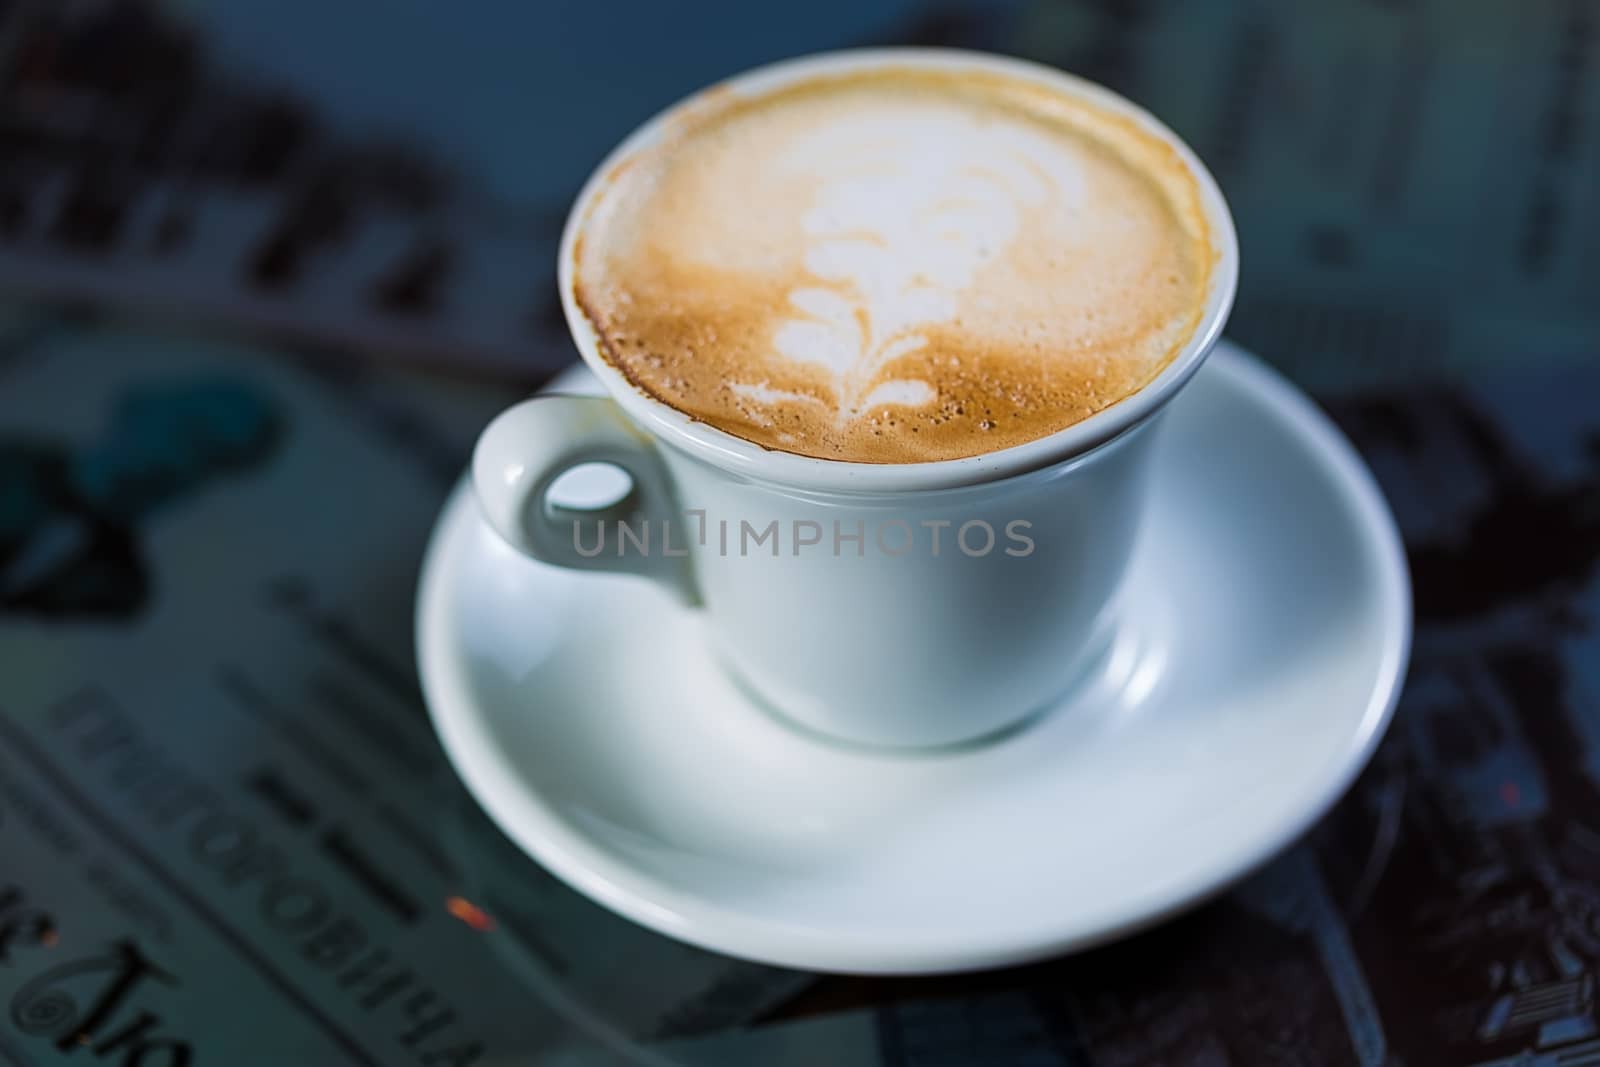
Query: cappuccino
{"points": [[895, 265]]}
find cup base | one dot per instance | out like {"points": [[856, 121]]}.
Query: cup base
{"points": [[1105, 666]]}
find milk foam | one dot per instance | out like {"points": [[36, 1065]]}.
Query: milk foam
{"points": [[895, 266]]}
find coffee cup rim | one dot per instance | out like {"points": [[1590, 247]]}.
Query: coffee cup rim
{"points": [[735, 454]]}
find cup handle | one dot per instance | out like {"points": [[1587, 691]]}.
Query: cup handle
{"points": [[527, 447]]}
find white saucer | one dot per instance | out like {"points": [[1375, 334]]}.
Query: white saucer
{"points": [[1269, 626]]}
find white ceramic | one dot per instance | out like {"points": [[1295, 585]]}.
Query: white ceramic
{"points": [[891, 646], [1262, 646]]}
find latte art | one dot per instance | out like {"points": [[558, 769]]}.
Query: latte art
{"points": [[906, 212], [895, 266]]}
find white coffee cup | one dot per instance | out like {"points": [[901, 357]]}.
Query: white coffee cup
{"points": [[859, 640]]}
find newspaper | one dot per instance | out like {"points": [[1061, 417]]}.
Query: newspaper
{"points": [[229, 835]]}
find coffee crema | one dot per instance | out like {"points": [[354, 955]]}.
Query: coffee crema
{"points": [[894, 265]]}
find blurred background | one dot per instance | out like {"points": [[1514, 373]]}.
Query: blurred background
{"points": [[267, 268], [1414, 181]]}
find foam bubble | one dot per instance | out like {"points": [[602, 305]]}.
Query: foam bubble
{"points": [[988, 260]]}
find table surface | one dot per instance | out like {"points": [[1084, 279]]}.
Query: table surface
{"points": [[227, 834]]}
